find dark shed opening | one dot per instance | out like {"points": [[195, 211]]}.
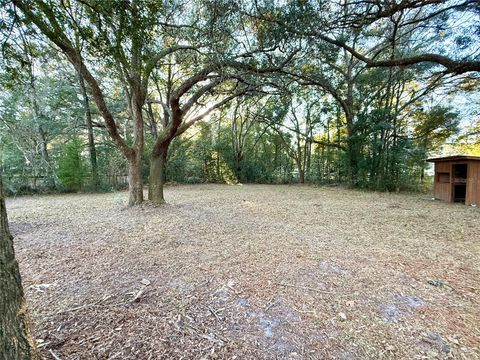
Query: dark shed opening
{"points": [[459, 182], [460, 172], [459, 193]]}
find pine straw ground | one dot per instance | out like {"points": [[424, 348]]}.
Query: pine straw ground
{"points": [[251, 272]]}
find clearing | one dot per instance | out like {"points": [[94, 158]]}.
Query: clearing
{"points": [[251, 272]]}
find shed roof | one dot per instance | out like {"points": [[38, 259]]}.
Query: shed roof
{"points": [[454, 158]]}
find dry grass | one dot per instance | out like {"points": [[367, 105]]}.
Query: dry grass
{"points": [[251, 272]]}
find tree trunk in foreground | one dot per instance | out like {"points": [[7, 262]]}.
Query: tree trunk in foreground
{"points": [[16, 341], [135, 183], [157, 176]]}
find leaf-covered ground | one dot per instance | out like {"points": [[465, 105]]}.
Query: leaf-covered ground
{"points": [[251, 272]]}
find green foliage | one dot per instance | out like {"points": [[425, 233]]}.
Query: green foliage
{"points": [[72, 171], [435, 126], [371, 128], [184, 166]]}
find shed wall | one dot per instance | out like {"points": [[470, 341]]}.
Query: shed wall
{"points": [[442, 190], [473, 183]]}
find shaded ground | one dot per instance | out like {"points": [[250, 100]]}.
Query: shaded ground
{"points": [[251, 272]]}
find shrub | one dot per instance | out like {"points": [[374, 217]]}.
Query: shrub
{"points": [[72, 171]]}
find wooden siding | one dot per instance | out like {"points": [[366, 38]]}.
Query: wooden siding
{"points": [[473, 183], [441, 190]]}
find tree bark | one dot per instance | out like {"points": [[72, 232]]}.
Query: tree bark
{"points": [[135, 183], [135, 180], [159, 154], [301, 172], [158, 161], [16, 340], [352, 154], [238, 166]]}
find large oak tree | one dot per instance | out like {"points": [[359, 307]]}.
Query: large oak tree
{"points": [[131, 41]]}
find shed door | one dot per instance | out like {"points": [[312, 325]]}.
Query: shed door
{"points": [[459, 183]]}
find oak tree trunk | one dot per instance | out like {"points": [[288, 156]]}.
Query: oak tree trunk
{"points": [[157, 175], [16, 341], [302, 177], [135, 183]]}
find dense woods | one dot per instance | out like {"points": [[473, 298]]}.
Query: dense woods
{"points": [[100, 94]]}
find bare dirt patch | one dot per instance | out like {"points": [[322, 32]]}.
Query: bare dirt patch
{"points": [[251, 272]]}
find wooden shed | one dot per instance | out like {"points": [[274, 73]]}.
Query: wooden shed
{"points": [[457, 179]]}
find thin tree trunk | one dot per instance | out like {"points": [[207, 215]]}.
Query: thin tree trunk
{"points": [[16, 340], [91, 140], [36, 112], [238, 167], [353, 152], [217, 170], [308, 167], [43, 145], [324, 164], [338, 124], [301, 171], [328, 151]]}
